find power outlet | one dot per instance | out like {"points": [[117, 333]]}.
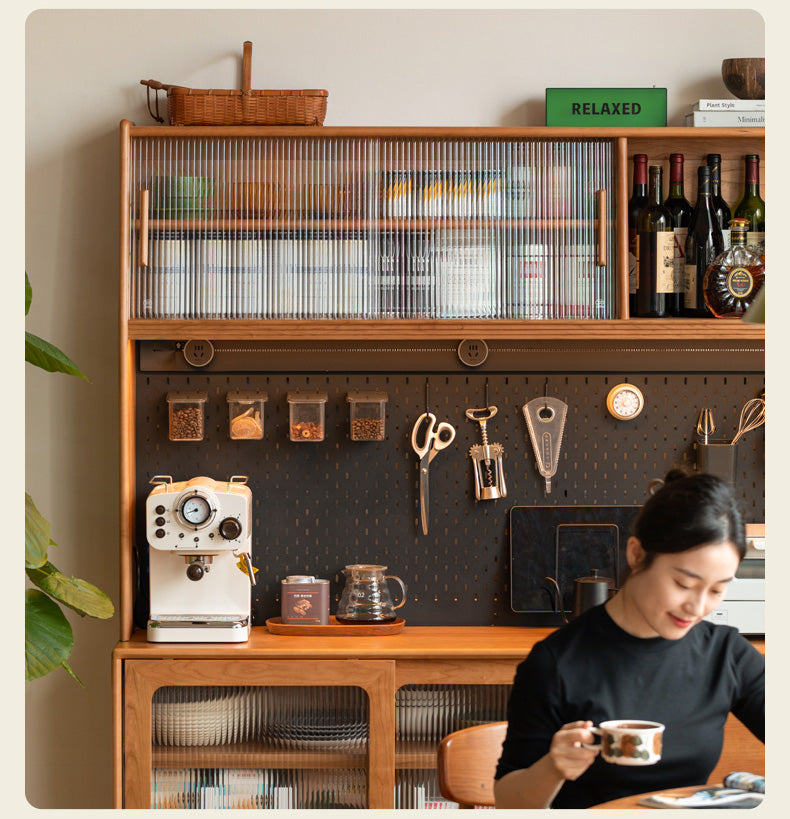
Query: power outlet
{"points": [[198, 352], [472, 352]]}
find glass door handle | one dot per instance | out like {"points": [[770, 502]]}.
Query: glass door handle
{"points": [[142, 247], [601, 197]]}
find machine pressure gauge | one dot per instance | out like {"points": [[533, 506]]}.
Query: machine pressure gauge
{"points": [[625, 402], [196, 510]]}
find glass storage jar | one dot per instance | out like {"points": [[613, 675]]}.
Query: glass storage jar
{"points": [[186, 415], [306, 414], [245, 414], [367, 413]]}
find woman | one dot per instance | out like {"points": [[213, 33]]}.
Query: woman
{"points": [[645, 654]]}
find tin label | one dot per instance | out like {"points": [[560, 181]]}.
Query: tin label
{"points": [[306, 603]]}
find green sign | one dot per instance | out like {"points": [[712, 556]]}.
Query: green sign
{"points": [[606, 107]]}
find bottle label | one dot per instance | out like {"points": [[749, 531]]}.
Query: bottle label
{"points": [[633, 260], [690, 285], [725, 237], [679, 259], [665, 262], [740, 282], [755, 239]]}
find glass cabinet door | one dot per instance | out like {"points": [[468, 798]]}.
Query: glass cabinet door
{"points": [[297, 734], [361, 227]]}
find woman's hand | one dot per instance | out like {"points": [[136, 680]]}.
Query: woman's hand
{"points": [[568, 756]]}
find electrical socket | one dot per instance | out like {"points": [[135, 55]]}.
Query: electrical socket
{"points": [[198, 352], [472, 352]]}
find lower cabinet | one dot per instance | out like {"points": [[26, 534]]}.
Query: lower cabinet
{"points": [[348, 724]]}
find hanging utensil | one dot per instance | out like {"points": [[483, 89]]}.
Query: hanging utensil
{"points": [[487, 458], [706, 426], [752, 416], [545, 419]]}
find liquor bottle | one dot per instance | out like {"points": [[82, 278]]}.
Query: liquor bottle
{"points": [[656, 250], [703, 244], [635, 204], [680, 208], [752, 207], [720, 208], [734, 277]]}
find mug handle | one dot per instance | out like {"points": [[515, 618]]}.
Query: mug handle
{"points": [[402, 587], [595, 745]]}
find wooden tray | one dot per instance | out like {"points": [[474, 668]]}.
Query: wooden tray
{"points": [[335, 629]]}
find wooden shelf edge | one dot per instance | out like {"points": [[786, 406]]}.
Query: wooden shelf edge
{"points": [[621, 330]]}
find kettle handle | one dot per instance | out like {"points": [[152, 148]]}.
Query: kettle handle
{"points": [[402, 586], [558, 609]]}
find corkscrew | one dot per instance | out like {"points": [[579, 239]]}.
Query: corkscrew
{"points": [[487, 458]]}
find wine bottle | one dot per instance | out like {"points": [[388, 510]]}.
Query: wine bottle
{"points": [[635, 204], [680, 208], [752, 207], [703, 244], [734, 277], [720, 208], [656, 250]]}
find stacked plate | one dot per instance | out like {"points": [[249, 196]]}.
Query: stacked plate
{"points": [[319, 734], [422, 714], [197, 715]]}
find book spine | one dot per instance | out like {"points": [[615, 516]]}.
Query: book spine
{"points": [[730, 105], [726, 119]]}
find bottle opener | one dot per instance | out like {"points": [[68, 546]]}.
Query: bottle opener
{"points": [[487, 459], [545, 419]]}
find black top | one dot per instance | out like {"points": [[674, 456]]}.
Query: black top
{"points": [[591, 669]]}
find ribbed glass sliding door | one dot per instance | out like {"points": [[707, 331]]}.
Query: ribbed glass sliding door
{"points": [[259, 747], [309, 228]]}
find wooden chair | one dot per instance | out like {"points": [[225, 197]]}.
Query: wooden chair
{"points": [[467, 762]]}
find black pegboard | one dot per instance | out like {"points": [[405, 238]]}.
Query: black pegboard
{"points": [[320, 506]]}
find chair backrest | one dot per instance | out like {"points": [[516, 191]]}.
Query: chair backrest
{"points": [[467, 762]]}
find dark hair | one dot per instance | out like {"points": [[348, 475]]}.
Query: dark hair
{"points": [[686, 512]]}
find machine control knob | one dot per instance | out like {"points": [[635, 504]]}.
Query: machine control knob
{"points": [[160, 510], [230, 528], [195, 571], [160, 533], [160, 521]]}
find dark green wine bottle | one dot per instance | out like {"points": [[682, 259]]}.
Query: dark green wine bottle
{"points": [[656, 250], [635, 204], [703, 244], [680, 208], [752, 207], [720, 208]]}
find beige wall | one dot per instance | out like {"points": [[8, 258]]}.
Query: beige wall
{"points": [[381, 68]]}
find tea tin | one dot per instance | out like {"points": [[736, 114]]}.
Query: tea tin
{"points": [[304, 600]]}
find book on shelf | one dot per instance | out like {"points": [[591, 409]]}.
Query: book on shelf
{"points": [[726, 119], [729, 105]]}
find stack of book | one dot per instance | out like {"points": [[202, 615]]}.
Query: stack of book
{"points": [[732, 113]]}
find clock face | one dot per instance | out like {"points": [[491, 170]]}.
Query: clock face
{"points": [[625, 401], [196, 510]]}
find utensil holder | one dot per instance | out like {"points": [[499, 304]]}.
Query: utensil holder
{"points": [[718, 459]]}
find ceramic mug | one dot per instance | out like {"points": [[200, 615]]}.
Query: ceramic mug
{"points": [[629, 741]]}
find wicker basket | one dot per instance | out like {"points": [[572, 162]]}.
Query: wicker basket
{"points": [[193, 106]]}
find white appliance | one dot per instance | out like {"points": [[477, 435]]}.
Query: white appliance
{"points": [[199, 536], [744, 606]]}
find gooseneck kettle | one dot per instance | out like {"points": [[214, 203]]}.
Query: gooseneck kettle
{"points": [[587, 592]]}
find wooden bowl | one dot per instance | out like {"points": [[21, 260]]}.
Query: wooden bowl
{"points": [[745, 77]]}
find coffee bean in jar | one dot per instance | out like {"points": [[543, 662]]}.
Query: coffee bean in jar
{"points": [[367, 409], [186, 415]]}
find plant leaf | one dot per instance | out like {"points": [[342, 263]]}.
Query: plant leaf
{"points": [[47, 356], [48, 636], [37, 538], [77, 594], [28, 294]]}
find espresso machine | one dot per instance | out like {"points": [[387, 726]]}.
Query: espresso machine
{"points": [[199, 536]]}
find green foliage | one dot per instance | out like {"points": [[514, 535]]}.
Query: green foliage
{"points": [[48, 635]]}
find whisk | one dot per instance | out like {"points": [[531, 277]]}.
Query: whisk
{"points": [[752, 416]]}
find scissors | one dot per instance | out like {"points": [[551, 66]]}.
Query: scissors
{"points": [[435, 439]]}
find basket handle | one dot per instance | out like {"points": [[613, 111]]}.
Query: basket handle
{"points": [[157, 86], [246, 68]]}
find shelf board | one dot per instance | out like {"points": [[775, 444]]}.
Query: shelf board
{"points": [[623, 330], [222, 220], [254, 755]]}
